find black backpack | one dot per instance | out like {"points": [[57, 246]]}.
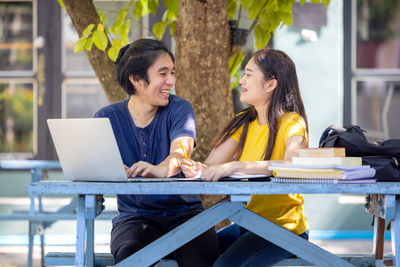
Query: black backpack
{"points": [[384, 156]]}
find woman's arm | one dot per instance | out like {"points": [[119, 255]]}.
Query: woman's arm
{"points": [[213, 173], [222, 154]]}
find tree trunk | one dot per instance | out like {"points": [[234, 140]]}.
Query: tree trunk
{"points": [[202, 72], [202, 66], [83, 13]]}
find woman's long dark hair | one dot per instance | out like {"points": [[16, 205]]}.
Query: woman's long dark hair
{"points": [[286, 97]]}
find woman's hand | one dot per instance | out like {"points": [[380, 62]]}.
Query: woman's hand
{"points": [[191, 169], [215, 172]]}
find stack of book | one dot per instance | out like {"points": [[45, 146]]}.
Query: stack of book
{"points": [[322, 165]]}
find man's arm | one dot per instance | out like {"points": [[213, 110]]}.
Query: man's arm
{"points": [[168, 167], [172, 163]]}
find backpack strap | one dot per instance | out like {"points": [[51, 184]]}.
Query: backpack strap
{"points": [[330, 135]]}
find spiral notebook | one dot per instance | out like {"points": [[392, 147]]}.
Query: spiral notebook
{"points": [[321, 181]]}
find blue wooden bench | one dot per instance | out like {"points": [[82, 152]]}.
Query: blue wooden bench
{"points": [[39, 219], [106, 259]]}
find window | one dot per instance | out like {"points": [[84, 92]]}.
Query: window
{"points": [[82, 94], [17, 87], [376, 68]]}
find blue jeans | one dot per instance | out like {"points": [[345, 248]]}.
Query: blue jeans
{"points": [[239, 247]]}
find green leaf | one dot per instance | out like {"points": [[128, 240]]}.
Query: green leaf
{"points": [[235, 79], [80, 45], [232, 7], [170, 16], [102, 17], [246, 3], [326, 2], [315, 1], [119, 20], [116, 43], [122, 14], [302, 2], [61, 4], [235, 63], [124, 31], [89, 43], [262, 37], [88, 30], [159, 29], [172, 26], [145, 4], [287, 18], [265, 21], [100, 40], [255, 8], [138, 9], [113, 53], [153, 5], [172, 6]]}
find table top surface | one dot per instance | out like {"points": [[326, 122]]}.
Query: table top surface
{"points": [[200, 187]]}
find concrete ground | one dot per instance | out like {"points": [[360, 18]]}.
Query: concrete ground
{"points": [[16, 256]]}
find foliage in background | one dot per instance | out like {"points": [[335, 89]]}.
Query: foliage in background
{"points": [[16, 109], [266, 17]]}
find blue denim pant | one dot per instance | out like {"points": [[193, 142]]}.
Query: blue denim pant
{"points": [[239, 247]]}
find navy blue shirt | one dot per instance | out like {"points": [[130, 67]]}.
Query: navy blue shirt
{"points": [[151, 144]]}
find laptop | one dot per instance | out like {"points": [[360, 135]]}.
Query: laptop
{"points": [[87, 149]]}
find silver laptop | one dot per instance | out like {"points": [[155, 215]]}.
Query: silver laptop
{"points": [[87, 149]]}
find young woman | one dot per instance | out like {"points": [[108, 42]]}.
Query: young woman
{"points": [[274, 127]]}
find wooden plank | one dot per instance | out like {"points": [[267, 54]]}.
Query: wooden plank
{"points": [[68, 259], [358, 260], [286, 239], [379, 234], [182, 234], [228, 188], [106, 259]]}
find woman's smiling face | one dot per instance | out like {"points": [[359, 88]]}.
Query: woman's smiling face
{"points": [[254, 87]]}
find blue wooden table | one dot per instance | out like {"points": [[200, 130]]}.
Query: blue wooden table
{"points": [[89, 206]]}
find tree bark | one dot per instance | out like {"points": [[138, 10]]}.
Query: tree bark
{"points": [[202, 72], [202, 66], [83, 13]]}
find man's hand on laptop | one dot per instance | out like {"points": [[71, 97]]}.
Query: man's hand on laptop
{"points": [[145, 169]]}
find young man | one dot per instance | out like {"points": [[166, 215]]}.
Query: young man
{"points": [[148, 127]]}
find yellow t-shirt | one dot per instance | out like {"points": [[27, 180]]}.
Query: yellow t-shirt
{"points": [[283, 210]]}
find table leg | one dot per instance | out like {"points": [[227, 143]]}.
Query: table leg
{"points": [[396, 235], [42, 249], [286, 239], [36, 176], [80, 232], [90, 207], [32, 227], [182, 234]]}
